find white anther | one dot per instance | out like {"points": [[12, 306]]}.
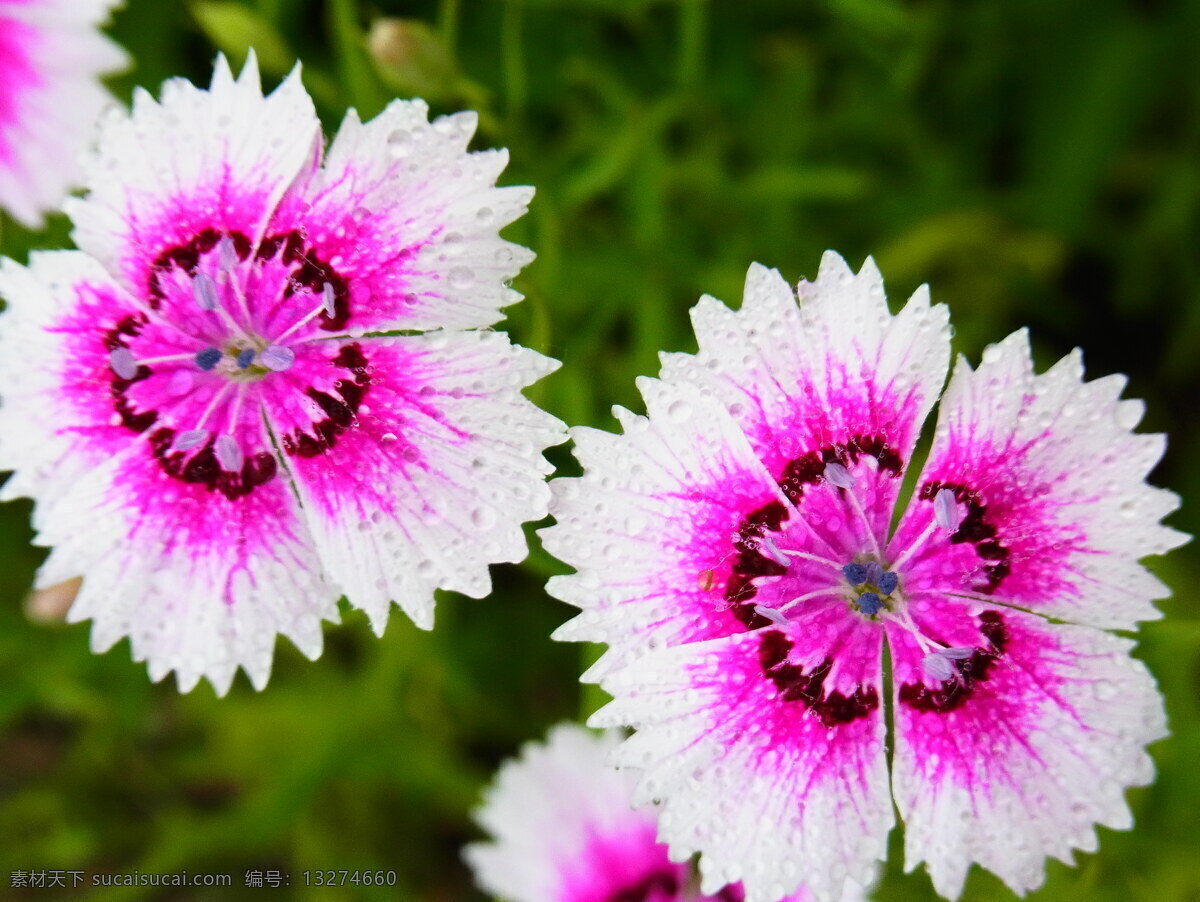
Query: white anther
{"points": [[327, 299], [226, 254], [945, 510], [957, 653], [771, 614], [193, 438], [204, 291], [277, 358], [937, 666], [122, 362], [767, 545], [229, 453], [839, 475]]}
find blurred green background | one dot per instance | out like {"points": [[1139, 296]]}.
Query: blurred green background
{"points": [[1038, 164]]}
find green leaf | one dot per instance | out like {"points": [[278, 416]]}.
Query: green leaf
{"points": [[235, 29]]}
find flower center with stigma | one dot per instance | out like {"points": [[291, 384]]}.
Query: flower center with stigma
{"points": [[785, 572], [872, 586], [219, 317]]}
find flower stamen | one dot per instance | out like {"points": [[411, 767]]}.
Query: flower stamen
{"points": [[229, 453], [775, 616], [327, 306], [227, 257], [946, 516], [937, 664], [837, 475], [125, 365], [946, 511], [874, 585], [805, 597], [277, 358], [204, 292], [870, 603], [808, 556]]}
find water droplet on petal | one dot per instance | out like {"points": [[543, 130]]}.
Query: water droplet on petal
{"points": [[399, 143], [679, 411], [180, 383]]}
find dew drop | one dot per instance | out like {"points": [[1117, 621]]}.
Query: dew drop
{"points": [[679, 411], [399, 143], [180, 383]]}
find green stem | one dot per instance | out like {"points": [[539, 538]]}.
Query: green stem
{"points": [[693, 27], [513, 62], [448, 16]]}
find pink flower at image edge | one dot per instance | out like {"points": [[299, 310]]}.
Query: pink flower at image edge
{"points": [[562, 828], [52, 56], [734, 550], [267, 378]]}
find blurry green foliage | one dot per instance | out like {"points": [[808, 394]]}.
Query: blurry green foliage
{"points": [[1038, 164]]}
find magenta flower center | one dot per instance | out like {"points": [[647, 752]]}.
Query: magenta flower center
{"points": [[215, 346], [784, 569]]}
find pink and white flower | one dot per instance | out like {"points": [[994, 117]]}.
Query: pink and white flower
{"points": [[734, 549], [51, 58], [564, 830], [263, 381]]}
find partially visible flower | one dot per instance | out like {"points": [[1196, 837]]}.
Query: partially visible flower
{"points": [[51, 60], [564, 831], [263, 384], [735, 550]]}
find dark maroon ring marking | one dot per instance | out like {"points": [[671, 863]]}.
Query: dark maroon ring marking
{"points": [[657, 882], [808, 468], [186, 256], [976, 529], [972, 670], [118, 337], [202, 467], [339, 412], [313, 274], [749, 562], [797, 685]]}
